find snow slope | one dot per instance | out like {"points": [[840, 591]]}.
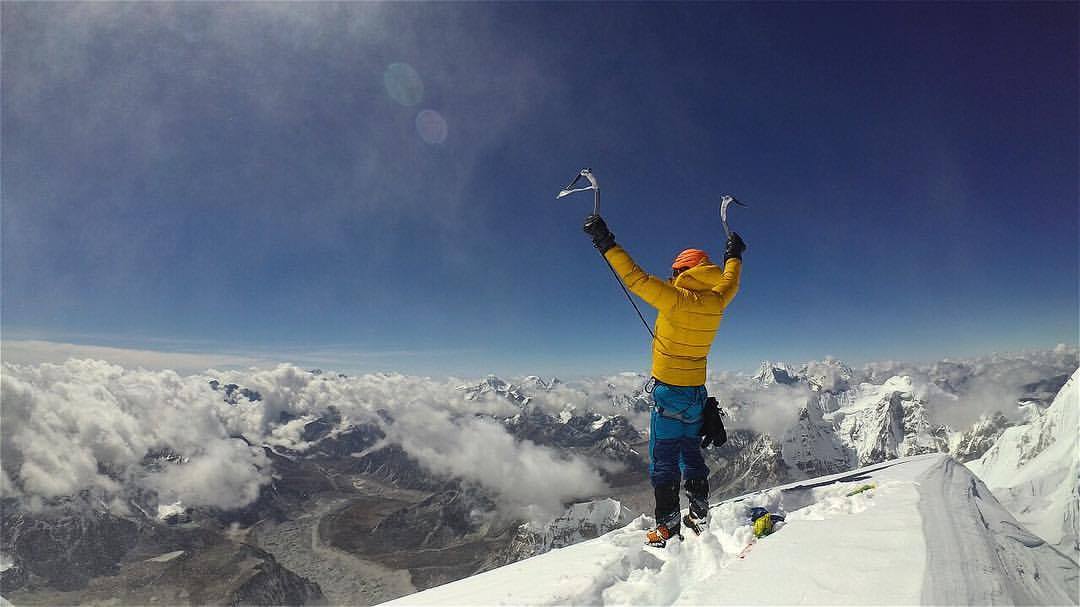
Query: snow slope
{"points": [[1033, 469], [927, 532]]}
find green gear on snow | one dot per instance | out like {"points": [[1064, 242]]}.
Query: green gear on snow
{"points": [[859, 490]]}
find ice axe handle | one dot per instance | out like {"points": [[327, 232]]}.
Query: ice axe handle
{"points": [[595, 185]]}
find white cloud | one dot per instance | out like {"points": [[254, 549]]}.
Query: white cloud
{"points": [[998, 382], [226, 473], [480, 450], [774, 413], [34, 352], [86, 425], [7, 487]]}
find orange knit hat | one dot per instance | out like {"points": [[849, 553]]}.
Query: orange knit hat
{"points": [[688, 259]]}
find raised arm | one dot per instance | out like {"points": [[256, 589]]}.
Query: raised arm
{"points": [[729, 282], [657, 292]]}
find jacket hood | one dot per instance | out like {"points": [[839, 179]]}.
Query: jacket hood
{"points": [[702, 277]]}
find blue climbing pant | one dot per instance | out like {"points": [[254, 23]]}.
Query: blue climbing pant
{"points": [[674, 443]]}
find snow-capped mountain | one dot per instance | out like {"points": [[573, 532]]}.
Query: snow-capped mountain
{"points": [[829, 375], [813, 446], [886, 421], [839, 427], [513, 393], [772, 373], [748, 461], [918, 530], [973, 443], [846, 421], [581, 521], [1034, 469], [636, 400]]}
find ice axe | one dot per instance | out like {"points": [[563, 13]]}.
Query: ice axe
{"points": [[593, 185], [725, 201]]}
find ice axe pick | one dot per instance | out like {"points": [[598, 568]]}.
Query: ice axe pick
{"points": [[593, 185], [725, 201]]}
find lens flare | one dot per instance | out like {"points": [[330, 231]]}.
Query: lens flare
{"points": [[403, 84], [431, 126]]}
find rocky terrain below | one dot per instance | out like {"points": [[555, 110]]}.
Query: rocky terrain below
{"points": [[346, 578], [162, 565]]}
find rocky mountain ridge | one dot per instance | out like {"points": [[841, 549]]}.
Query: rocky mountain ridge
{"points": [[79, 554]]}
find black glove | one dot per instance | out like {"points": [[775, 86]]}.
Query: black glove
{"points": [[712, 424], [734, 248], [602, 238]]}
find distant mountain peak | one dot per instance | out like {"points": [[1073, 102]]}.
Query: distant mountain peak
{"points": [[771, 373], [494, 385]]}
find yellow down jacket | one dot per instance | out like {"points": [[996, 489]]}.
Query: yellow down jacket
{"points": [[690, 310]]}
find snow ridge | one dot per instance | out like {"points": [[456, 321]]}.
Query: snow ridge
{"points": [[976, 531], [916, 530], [1034, 469]]}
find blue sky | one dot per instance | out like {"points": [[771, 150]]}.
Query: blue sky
{"points": [[371, 186]]}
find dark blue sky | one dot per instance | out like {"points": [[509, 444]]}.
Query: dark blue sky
{"points": [[276, 178]]}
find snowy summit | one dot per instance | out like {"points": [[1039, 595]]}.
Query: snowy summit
{"points": [[917, 530]]}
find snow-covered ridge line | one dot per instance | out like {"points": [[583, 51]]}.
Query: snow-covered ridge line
{"points": [[1034, 469], [895, 542]]}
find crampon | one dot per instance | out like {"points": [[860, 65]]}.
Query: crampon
{"points": [[697, 525], [659, 536]]}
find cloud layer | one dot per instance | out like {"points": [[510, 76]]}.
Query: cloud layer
{"points": [[86, 426]]}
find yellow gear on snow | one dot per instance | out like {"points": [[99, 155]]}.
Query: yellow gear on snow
{"points": [[690, 310], [763, 525]]}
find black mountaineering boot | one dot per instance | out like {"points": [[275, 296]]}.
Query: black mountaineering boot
{"points": [[667, 515], [667, 502], [697, 490]]}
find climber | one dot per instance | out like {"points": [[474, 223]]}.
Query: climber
{"points": [[690, 306]]}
